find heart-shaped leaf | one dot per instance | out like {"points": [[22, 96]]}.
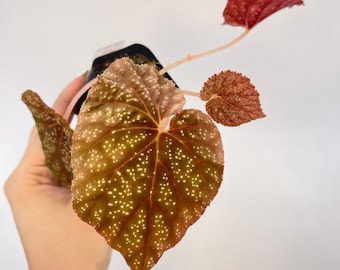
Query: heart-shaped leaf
{"points": [[248, 13], [144, 169], [231, 99], [55, 135]]}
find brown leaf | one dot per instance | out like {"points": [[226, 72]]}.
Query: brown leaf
{"points": [[231, 99], [144, 170], [55, 135], [248, 13]]}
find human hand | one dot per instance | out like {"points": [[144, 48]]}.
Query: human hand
{"points": [[53, 236]]}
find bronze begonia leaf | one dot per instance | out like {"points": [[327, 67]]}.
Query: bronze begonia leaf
{"points": [[248, 13], [144, 169], [55, 135], [231, 99]]}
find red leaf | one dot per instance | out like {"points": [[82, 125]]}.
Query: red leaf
{"points": [[248, 13], [231, 99], [140, 178]]}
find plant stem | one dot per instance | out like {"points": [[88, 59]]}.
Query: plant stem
{"points": [[190, 93], [203, 54]]}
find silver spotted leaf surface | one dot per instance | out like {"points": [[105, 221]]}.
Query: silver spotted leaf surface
{"points": [[144, 169], [55, 135]]}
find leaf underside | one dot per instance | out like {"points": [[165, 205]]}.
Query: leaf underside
{"points": [[144, 169], [231, 99], [55, 135], [248, 13]]}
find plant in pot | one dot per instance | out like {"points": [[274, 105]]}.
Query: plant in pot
{"points": [[141, 168]]}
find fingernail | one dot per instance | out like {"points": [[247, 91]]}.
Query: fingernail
{"points": [[84, 74]]}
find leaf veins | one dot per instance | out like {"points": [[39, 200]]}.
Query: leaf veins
{"points": [[248, 13], [231, 99], [141, 183]]}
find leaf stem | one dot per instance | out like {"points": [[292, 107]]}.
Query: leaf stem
{"points": [[205, 53], [190, 93]]}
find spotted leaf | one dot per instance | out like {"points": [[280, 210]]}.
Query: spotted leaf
{"points": [[144, 169], [231, 99], [55, 135], [248, 13]]}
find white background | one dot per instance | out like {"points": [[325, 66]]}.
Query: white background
{"points": [[279, 205]]}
